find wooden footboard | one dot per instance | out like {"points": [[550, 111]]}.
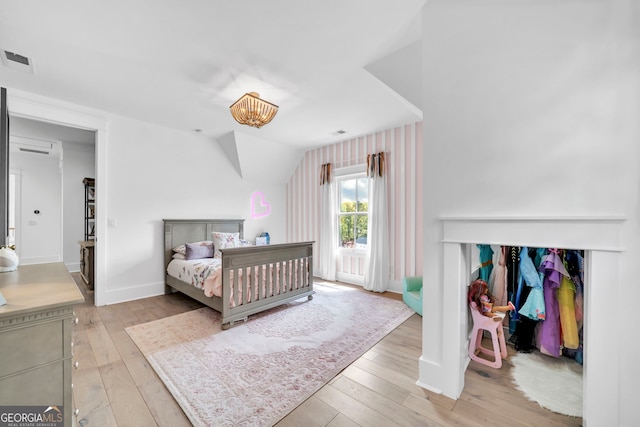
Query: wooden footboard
{"points": [[254, 278], [257, 278]]}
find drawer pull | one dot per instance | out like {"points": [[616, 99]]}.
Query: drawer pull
{"points": [[75, 365], [75, 321], [76, 412]]}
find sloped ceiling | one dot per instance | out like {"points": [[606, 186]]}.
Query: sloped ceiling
{"points": [[183, 64], [257, 159]]}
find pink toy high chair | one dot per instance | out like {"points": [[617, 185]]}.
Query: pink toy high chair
{"points": [[483, 323]]}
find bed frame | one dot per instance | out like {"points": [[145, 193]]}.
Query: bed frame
{"points": [[295, 272]]}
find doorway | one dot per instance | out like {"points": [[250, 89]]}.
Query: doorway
{"points": [[33, 107], [51, 161]]}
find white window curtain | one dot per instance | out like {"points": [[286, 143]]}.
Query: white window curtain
{"points": [[376, 276], [328, 227]]}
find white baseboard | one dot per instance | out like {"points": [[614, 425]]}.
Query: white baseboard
{"points": [[115, 296], [39, 260], [73, 267]]}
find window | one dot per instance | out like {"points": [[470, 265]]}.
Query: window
{"points": [[353, 205]]}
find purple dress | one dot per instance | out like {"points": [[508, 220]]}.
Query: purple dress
{"points": [[548, 332]]}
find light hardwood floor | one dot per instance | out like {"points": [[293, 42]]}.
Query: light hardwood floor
{"points": [[115, 386]]}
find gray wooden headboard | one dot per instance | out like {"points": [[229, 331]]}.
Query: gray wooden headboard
{"points": [[179, 231]]}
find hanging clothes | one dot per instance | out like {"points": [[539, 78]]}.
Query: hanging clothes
{"points": [[575, 267], [513, 261], [533, 308], [526, 303], [498, 280], [548, 336], [569, 326], [486, 262]]}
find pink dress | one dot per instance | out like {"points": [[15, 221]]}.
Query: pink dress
{"points": [[499, 276]]}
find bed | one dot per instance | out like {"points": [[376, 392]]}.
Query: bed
{"points": [[251, 278]]}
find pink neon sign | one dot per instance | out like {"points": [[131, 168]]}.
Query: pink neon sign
{"points": [[260, 208]]}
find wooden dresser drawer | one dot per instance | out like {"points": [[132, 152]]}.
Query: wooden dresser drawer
{"points": [[40, 386], [30, 346]]}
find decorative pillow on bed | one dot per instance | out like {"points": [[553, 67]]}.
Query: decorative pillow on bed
{"points": [[182, 249], [178, 256], [198, 251], [224, 241]]}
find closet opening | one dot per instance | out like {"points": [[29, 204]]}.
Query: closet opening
{"points": [[543, 291], [445, 354]]}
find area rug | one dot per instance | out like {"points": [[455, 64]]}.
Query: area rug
{"points": [[554, 383], [256, 372]]}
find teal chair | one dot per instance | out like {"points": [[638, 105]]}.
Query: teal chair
{"points": [[412, 293]]}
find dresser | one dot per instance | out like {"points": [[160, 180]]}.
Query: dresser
{"points": [[36, 329]]}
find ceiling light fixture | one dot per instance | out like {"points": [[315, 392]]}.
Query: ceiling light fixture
{"points": [[252, 111]]}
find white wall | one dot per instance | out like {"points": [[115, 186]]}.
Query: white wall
{"points": [[78, 163], [145, 173], [40, 237], [155, 173], [530, 110]]}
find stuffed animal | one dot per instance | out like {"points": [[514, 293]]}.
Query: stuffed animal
{"points": [[8, 260]]}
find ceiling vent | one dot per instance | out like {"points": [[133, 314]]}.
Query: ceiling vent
{"points": [[17, 62]]}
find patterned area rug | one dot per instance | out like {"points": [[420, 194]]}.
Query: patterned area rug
{"points": [[256, 372], [554, 383]]}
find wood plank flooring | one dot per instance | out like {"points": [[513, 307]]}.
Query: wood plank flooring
{"points": [[115, 386]]}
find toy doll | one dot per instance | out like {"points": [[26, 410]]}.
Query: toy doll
{"points": [[479, 293]]}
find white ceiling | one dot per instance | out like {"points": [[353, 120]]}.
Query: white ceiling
{"points": [[183, 63]]}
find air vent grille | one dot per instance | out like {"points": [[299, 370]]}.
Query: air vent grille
{"points": [[17, 62]]}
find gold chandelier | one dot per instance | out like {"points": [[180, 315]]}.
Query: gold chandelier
{"points": [[252, 111]]}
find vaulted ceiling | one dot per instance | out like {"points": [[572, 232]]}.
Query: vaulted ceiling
{"points": [[338, 65]]}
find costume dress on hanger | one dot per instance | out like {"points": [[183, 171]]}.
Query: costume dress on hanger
{"points": [[575, 267], [499, 279], [525, 326], [548, 336], [569, 326], [533, 307], [486, 262]]}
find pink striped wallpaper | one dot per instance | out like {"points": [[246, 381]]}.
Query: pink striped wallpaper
{"points": [[403, 146]]}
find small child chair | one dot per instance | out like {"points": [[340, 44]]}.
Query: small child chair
{"points": [[483, 323]]}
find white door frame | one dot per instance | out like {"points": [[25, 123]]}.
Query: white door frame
{"points": [[23, 104]]}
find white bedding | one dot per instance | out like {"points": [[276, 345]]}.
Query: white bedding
{"points": [[206, 274], [203, 273]]}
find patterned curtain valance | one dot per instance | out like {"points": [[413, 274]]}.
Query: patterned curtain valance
{"points": [[375, 165], [325, 174]]}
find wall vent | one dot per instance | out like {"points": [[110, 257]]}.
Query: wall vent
{"points": [[29, 150], [17, 62], [33, 145]]}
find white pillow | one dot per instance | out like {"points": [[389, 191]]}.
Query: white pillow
{"points": [[224, 241]]}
